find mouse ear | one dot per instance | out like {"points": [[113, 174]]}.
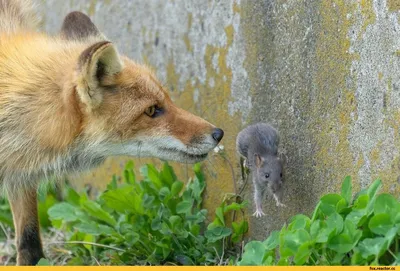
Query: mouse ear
{"points": [[259, 160]]}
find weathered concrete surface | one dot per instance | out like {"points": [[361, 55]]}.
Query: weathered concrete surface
{"points": [[325, 73]]}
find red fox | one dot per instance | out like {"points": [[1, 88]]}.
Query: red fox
{"points": [[69, 101]]}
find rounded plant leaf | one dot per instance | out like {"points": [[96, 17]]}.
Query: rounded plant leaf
{"points": [[357, 217], [329, 202], [341, 243], [351, 230], [299, 222], [372, 246], [272, 241], [184, 207], [156, 224], [380, 223], [335, 221], [293, 240], [164, 193], [217, 233], [254, 252], [386, 203], [63, 211]]}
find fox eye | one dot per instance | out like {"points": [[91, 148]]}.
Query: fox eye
{"points": [[267, 175], [153, 111], [150, 111]]}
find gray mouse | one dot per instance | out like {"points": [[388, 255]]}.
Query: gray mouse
{"points": [[258, 145]]}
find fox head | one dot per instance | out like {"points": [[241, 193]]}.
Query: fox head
{"points": [[124, 104]]}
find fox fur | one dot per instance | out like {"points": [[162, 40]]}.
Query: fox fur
{"points": [[68, 102]]}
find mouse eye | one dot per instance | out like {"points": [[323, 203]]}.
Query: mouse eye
{"points": [[267, 175], [281, 175]]}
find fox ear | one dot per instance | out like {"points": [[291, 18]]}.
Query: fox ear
{"points": [[259, 160], [78, 26], [97, 62]]}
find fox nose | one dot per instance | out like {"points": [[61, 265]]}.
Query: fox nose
{"points": [[218, 134]]}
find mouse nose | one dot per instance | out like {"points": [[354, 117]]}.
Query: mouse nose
{"points": [[218, 134]]}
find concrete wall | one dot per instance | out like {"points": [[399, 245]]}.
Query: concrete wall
{"points": [[325, 73]]}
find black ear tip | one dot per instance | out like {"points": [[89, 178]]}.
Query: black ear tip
{"points": [[76, 15], [78, 25]]}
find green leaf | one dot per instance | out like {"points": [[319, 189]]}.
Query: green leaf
{"points": [[372, 246], [341, 205], [164, 193], [335, 221], [113, 184], [329, 202], [303, 253], [88, 239], [253, 254], [357, 217], [235, 206], [272, 241], [239, 229], [167, 175], [176, 188], [220, 214], [132, 238], [361, 202], [386, 203], [94, 228], [184, 207], [372, 192], [292, 241], [129, 172], [43, 262], [351, 230], [217, 233], [43, 208], [124, 199], [374, 188], [95, 210], [299, 222], [341, 243], [346, 189], [320, 231], [380, 223], [152, 175], [72, 196], [156, 224], [6, 217], [63, 211]]}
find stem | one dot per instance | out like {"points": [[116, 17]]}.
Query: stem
{"points": [[315, 212], [391, 253], [311, 257], [88, 243]]}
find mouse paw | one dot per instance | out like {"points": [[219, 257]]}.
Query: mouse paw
{"points": [[258, 213]]}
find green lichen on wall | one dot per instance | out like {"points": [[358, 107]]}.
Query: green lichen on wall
{"points": [[368, 13], [393, 5], [334, 103]]}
